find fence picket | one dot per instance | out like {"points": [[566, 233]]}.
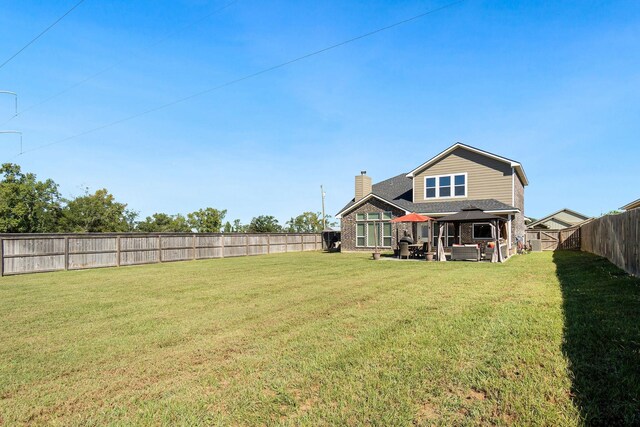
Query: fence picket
{"points": [[615, 237], [30, 253]]}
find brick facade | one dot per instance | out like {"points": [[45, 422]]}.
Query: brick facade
{"points": [[348, 227]]}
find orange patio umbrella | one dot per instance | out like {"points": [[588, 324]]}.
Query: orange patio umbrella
{"points": [[412, 217]]}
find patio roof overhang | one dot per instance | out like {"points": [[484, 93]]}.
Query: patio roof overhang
{"points": [[470, 214]]}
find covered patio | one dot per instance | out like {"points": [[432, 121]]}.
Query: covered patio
{"points": [[469, 249]]}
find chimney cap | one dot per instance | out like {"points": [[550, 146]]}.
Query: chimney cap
{"points": [[363, 172]]}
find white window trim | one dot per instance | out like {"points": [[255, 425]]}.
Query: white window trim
{"points": [[473, 231], [453, 186], [365, 234], [366, 223]]}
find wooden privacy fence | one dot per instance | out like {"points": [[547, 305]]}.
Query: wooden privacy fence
{"points": [[31, 253], [551, 240], [616, 237]]}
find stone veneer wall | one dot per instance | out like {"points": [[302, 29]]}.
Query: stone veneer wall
{"points": [[517, 226], [348, 225]]}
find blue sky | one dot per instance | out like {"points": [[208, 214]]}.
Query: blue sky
{"points": [[552, 84]]}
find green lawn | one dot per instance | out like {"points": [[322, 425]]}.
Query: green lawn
{"points": [[320, 339]]}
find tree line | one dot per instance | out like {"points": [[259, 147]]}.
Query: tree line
{"points": [[28, 205]]}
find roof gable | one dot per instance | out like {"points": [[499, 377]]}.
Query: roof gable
{"points": [[562, 218], [633, 205], [512, 163], [352, 206]]}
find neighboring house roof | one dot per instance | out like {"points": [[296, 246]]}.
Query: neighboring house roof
{"points": [[398, 192], [633, 205], [515, 165], [579, 218]]}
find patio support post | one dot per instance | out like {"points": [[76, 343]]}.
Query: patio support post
{"points": [[509, 237], [500, 258], [494, 233], [441, 255]]}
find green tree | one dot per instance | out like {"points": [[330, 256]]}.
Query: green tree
{"points": [[26, 204], [98, 212], [264, 224], [308, 222], [162, 223], [235, 227], [239, 227], [207, 220]]}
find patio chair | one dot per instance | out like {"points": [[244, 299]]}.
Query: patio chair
{"points": [[488, 252], [404, 250]]}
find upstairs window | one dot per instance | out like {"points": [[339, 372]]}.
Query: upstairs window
{"points": [[460, 185], [430, 185], [443, 186]]}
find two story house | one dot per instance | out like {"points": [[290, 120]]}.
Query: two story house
{"points": [[459, 177]]}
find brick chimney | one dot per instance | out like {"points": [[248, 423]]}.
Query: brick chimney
{"points": [[363, 185]]}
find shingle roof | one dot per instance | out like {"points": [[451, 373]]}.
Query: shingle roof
{"points": [[399, 191], [632, 205]]}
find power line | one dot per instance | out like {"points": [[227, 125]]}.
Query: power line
{"points": [[246, 77], [121, 61], [41, 34], [17, 132]]}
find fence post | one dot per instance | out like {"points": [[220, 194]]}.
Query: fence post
{"points": [[222, 245], [246, 245], [1, 257], [286, 242], [194, 246], [159, 248], [118, 251], [268, 244], [66, 252], [579, 238]]}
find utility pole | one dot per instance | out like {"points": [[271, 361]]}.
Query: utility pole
{"points": [[324, 221], [15, 95]]}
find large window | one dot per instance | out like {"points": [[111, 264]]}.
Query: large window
{"points": [[454, 185], [482, 231], [448, 237], [371, 226]]}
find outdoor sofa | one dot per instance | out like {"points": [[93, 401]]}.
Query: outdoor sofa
{"points": [[465, 253]]}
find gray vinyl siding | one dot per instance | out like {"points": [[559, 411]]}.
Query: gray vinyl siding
{"points": [[486, 178]]}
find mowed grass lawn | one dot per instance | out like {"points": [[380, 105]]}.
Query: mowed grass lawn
{"points": [[296, 339]]}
